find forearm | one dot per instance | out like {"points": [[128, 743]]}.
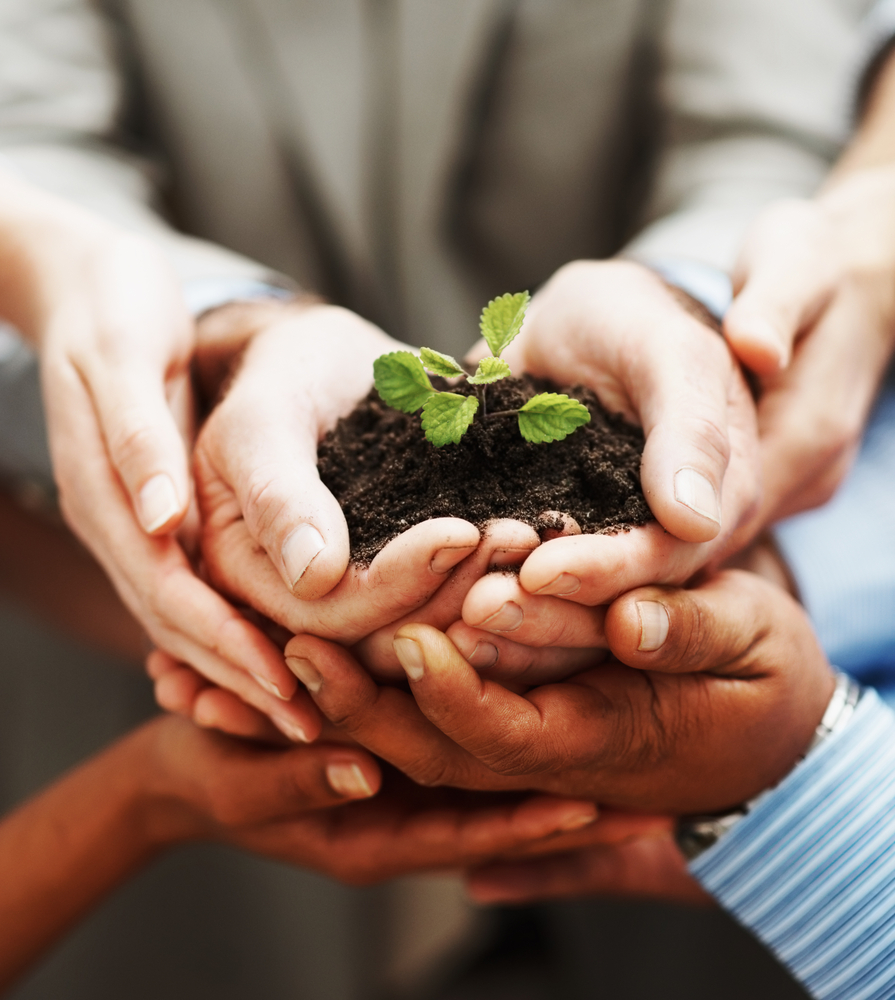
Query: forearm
{"points": [[62, 851], [873, 144]]}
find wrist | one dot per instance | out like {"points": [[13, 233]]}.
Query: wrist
{"points": [[696, 834]]}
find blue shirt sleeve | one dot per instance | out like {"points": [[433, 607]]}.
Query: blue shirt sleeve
{"points": [[811, 870]]}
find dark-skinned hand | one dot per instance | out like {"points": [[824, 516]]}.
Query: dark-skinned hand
{"points": [[718, 710]]}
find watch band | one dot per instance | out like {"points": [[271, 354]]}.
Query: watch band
{"points": [[695, 834]]}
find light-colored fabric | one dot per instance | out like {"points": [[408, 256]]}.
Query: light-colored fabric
{"points": [[417, 157], [811, 871]]}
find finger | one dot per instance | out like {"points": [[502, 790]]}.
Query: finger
{"points": [[786, 274], [400, 579], [215, 708], [504, 542], [384, 719], [680, 385], [135, 348], [500, 659], [155, 580], [498, 604], [811, 417], [720, 626], [177, 690], [159, 663], [650, 866], [595, 569], [144, 443], [262, 784], [270, 463], [511, 735]]}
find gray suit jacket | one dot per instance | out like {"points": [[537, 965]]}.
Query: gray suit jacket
{"points": [[412, 157]]}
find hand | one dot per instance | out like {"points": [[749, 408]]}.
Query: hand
{"points": [[648, 866], [616, 327], [714, 694], [198, 785], [815, 317], [107, 316], [275, 538]]}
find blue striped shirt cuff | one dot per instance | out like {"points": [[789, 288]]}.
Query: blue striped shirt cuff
{"points": [[811, 870]]}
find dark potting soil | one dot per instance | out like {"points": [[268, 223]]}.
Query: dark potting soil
{"points": [[388, 477]]}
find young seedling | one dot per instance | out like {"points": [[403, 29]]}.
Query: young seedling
{"points": [[402, 382]]}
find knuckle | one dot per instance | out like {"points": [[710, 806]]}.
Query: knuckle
{"points": [[133, 441], [514, 753], [430, 772], [709, 439], [263, 503]]}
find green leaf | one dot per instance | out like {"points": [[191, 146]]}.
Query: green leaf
{"points": [[447, 416], [441, 364], [502, 320], [551, 416], [490, 370], [401, 381]]}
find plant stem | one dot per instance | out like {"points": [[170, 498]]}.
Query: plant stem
{"points": [[483, 399], [503, 413]]}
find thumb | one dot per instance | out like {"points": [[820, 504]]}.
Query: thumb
{"points": [[269, 463], [784, 278]]}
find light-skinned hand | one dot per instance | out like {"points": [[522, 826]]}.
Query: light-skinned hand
{"points": [[617, 328], [107, 317], [275, 538], [814, 316]]}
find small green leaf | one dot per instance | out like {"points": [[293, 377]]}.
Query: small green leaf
{"points": [[447, 416], [401, 381], [551, 416], [490, 370], [441, 364], [502, 320]]}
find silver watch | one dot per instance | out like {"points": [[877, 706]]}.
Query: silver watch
{"points": [[695, 834]]}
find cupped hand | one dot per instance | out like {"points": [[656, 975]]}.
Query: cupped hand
{"points": [[275, 538], [814, 316], [280, 803], [616, 327], [712, 697]]}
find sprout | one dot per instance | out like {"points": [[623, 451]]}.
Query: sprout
{"points": [[402, 382]]}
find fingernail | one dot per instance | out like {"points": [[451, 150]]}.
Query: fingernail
{"points": [[348, 780], [576, 821], [445, 559], [507, 619], [410, 656], [693, 490], [290, 728], [653, 625], [158, 502], [268, 686], [563, 585], [484, 655], [299, 551], [306, 672]]}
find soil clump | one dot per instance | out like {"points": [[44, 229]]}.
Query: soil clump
{"points": [[388, 477]]}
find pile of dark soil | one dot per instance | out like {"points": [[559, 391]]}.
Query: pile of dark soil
{"points": [[387, 476]]}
